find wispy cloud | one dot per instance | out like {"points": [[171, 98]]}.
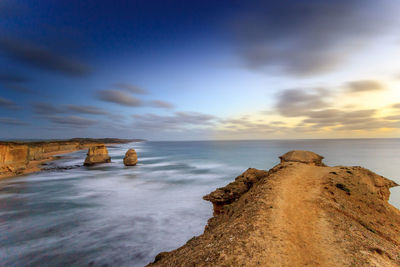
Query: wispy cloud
{"points": [[72, 121], [119, 97], [397, 106], [297, 102], [365, 86], [8, 104], [40, 57], [161, 104], [13, 78], [46, 108], [131, 88], [176, 122], [318, 112], [11, 121], [85, 110], [308, 37], [19, 88]]}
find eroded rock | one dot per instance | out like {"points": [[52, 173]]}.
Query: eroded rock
{"points": [[233, 191], [130, 158], [97, 154]]}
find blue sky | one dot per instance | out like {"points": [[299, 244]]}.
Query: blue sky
{"points": [[189, 70]]}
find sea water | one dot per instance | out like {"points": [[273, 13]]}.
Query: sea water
{"points": [[112, 215]]}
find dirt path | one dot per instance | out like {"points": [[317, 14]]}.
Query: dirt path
{"points": [[298, 224]]}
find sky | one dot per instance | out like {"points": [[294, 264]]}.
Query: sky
{"points": [[199, 70]]}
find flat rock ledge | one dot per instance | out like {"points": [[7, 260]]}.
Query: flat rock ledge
{"points": [[302, 156]]}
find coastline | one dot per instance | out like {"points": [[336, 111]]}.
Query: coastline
{"points": [[300, 212], [21, 158]]}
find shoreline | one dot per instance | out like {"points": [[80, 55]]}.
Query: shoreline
{"points": [[21, 158]]}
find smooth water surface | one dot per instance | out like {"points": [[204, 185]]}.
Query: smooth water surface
{"points": [[112, 215]]}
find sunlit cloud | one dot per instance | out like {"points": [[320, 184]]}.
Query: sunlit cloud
{"points": [[365, 86]]}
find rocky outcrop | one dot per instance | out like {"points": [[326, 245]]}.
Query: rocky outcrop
{"points": [[130, 158], [302, 156], [18, 158], [299, 213], [97, 154], [233, 191]]}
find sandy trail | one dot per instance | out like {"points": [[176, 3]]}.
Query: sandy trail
{"points": [[298, 225]]}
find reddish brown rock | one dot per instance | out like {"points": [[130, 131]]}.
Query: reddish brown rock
{"points": [[97, 154], [130, 158]]}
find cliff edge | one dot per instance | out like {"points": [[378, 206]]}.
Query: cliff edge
{"points": [[299, 213]]}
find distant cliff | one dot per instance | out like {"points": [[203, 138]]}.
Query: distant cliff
{"points": [[299, 213], [18, 158]]}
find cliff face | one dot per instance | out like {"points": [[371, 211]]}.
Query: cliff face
{"points": [[24, 157], [299, 213]]}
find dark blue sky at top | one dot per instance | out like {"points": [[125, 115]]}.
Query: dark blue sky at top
{"points": [[86, 68], [98, 37]]}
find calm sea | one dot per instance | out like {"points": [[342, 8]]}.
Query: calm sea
{"points": [[111, 215]]}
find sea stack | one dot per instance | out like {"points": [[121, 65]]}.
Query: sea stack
{"points": [[299, 213], [130, 158], [97, 154]]}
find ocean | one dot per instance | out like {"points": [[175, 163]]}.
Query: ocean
{"points": [[112, 215]]}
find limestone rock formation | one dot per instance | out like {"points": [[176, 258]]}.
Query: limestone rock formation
{"points": [[303, 157], [130, 158], [97, 154], [299, 213], [17, 158]]}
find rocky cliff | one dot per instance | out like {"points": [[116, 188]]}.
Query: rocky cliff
{"points": [[18, 158], [299, 213]]}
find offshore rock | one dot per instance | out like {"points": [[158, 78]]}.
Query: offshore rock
{"points": [[130, 158], [97, 154]]}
